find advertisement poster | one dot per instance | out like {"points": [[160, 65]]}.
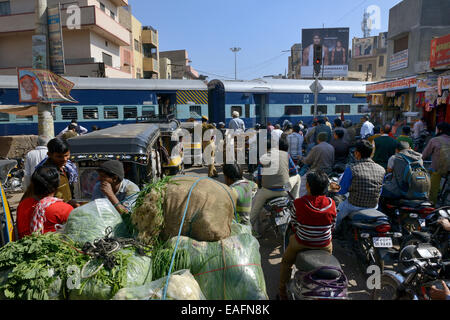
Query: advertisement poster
{"points": [[440, 52], [55, 41], [39, 51], [362, 47], [335, 42], [399, 60], [36, 85]]}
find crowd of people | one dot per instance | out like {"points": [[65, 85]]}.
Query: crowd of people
{"points": [[372, 163]]}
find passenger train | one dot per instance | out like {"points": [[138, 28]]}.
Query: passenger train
{"points": [[106, 102]]}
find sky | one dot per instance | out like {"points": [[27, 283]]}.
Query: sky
{"points": [[262, 28]]}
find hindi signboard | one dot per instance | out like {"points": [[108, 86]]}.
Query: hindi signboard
{"points": [[440, 52], [38, 85], [55, 38], [399, 60]]}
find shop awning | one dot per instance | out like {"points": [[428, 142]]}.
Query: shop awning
{"points": [[392, 85]]}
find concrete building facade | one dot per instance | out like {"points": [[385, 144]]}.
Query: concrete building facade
{"points": [[295, 61], [165, 68], [180, 64], [94, 50], [150, 48]]}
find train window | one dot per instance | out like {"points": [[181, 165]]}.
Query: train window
{"points": [[90, 113], [293, 110], [362, 108], [236, 108], [129, 112], [4, 117], [111, 113], [148, 111], [195, 111], [24, 118], [342, 108], [247, 111], [321, 109], [69, 113]]}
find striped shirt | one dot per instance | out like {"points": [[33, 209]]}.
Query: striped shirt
{"points": [[244, 190], [314, 220]]}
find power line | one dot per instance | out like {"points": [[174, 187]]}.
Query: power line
{"points": [[359, 5]]}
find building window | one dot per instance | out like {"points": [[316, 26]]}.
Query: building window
{"points": [[129, 112], [102, 6], [5, 8], [148, 111], [236, 108], [369, 68], [195, 111], [293, 110], [381, 61], [113, 15], [69, 113], [321, 109], [24, 118], [138, 73], [107, 59], [90, 113], [149, 50], [401, 44], [4, 117], [137, 45], [344, 108], [360, 68], [111, 113]]}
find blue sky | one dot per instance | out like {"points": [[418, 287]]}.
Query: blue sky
{"points": [[262, 28]]}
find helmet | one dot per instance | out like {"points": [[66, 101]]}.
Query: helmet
{"points": [[348, 123]]}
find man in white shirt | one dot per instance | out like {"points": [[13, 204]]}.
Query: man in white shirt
{"points": [[277, 132], [80, 130], [33, 158], [366, 128], [236, 123]]}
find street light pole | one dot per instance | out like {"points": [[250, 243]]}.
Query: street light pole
{"points": [[235, 50], [45, 110]]}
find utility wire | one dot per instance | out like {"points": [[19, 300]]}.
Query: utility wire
{"points": [[359, 5]]}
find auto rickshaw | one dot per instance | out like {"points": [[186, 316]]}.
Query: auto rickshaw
{"points": [[137, 146], [171, 151], [8, 232]]}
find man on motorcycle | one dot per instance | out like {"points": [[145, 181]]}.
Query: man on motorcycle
{"points": [[395, 186], [321, 157], [313, 224], [274, 173], [363, 181]]}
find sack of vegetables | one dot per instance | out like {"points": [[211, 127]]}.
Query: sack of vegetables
{"points": [[182, 286], [228, 269], [160, 207], [89, 222]]}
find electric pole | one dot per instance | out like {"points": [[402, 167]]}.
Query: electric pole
{"points": [[45, 110], [235, 50]]}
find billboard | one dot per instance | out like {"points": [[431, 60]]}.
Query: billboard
{"points": [[363, 47], [440, 52], [399, 60], [37, 85], [55, 38], [335, 43]]}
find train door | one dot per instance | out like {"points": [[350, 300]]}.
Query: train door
{"points": [[166, 103], [261, 108]]}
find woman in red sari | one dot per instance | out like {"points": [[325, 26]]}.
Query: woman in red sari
{"points": [[43, 211]]}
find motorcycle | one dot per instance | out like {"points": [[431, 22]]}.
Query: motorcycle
{"points": [[420, 267], [432, 232], [369, 234], [406, 215], [11, 175], [317, 274], [421, 141]]}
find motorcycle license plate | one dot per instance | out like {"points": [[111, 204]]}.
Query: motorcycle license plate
{"points": [[383, 242], [282, 220], [422, 222]]}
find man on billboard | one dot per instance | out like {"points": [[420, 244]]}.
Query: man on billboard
{"points": [[338, 54], [308, 52]]}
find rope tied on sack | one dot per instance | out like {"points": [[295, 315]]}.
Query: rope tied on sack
{"points": [[181, 228]]}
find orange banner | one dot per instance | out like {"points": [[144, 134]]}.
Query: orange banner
{"points": [[392, 85]]}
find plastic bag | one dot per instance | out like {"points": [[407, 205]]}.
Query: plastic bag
{"points": [[89, 222], [229, 269], [182, 286], [237, 229], [138, 272]]}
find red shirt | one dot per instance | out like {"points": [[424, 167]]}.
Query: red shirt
{"points": [[57, 213], [316, 216]]}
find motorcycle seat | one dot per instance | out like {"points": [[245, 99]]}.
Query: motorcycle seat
{"points": [[279, 201], [367, 215], [310, 260], [414, 203]]}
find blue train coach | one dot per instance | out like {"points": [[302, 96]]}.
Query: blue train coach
{"points": [[275, 100], [106, 102]]}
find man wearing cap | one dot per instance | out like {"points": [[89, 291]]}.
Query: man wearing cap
{"points": [[112, 185], [236, 123], [212, 172]]}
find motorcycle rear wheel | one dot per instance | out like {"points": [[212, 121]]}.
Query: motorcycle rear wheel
{"points": [[389, 286]]}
